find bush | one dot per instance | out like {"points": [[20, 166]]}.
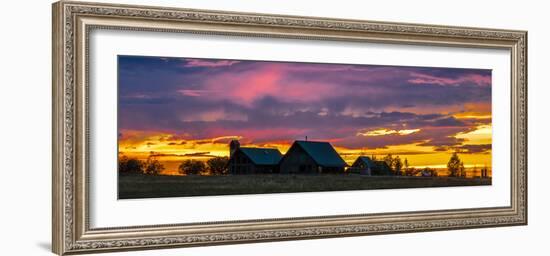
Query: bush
{"points": [[153, 166], [191, 167], [218, 165], [130, 165]]}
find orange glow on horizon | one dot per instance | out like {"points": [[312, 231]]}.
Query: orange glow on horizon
{"points": [[171, 151]]}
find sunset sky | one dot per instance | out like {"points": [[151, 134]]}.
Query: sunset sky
{"points": [[183, 108]]}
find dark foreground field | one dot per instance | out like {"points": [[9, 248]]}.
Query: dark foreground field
{"points": [[142, 186]]}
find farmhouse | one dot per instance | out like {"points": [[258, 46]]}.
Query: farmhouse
{"points": [[244, 160], [309, 157], [364, 165]]}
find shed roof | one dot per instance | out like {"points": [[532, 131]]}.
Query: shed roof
{"points": [[381, 166], [262, 156], [366, 160], [322, 153]]}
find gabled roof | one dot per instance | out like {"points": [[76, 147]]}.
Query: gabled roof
{"points": [[380, 166], [366, 160], [262, 156], [322, 153]]}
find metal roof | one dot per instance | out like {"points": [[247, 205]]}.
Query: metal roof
{"points": [[322, 153], [382, 166], [366, 160], [262, 156]]}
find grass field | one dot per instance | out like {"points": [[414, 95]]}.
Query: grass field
{"points": [[143, 186]]}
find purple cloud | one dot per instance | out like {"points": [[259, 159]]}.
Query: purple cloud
{"points": [[263, 101]]}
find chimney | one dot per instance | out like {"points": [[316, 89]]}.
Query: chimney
{"points": [[233, 146]]}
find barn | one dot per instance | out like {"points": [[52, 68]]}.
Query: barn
{"points": [[244, 160], [364, 165], [311, 157]]}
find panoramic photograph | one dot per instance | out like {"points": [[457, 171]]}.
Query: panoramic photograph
{"points": [[206, 127]]}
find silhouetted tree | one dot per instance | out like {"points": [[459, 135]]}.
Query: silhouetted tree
{"points": [[389, 161], [453, 166], [394, 163], [191, 167], [153, 166], [218, 165], [462, 170], [130, 165], [406, 165], [397, 165]]}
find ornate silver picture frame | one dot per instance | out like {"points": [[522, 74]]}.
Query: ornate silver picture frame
{"points": [[72, 24]]}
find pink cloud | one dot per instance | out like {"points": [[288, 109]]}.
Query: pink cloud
{"points": [[209, 63], [269, 80], [480, 80]]}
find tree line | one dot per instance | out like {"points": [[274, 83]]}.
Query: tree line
{"points": [[152, 166], [213, 166], [402, 167], [219, 166], [456, 168]]}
